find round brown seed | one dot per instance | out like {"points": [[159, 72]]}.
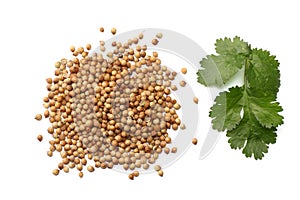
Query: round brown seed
{"points": [[55, 172], [136, 173], [195, 99], [194, 141], [40, 138], [160, 173], [113, 31], [38, 117], [131, 176]]}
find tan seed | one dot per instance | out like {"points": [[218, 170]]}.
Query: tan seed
{"points": [[38, 117], [154, 41], [157, 168], [40, 138], [159, 35], [174, 150], [195, 99], [55, 172], [182, 83], [183, 70], [160, 173], [194, 141], [113, 31], [90, 168], [136, 173], [131, 176]]}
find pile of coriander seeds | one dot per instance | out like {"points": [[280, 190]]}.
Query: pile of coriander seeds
{"points": [[109, 109]]}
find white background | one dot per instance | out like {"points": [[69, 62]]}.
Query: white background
{"points": [[35, 34]]}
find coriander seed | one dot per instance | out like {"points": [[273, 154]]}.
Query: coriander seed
{"points": [[38, 117], [182, 83], [183, 70], [160, 173], [40, 138], [55, 172], [195, 99], [131, 176], [174, 149], [194, 141], [154, 41], [113, 31]]}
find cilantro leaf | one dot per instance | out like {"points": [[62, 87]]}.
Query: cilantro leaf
{"points": [[249, 113], [264, 72], [265, 109], [226, 111], [219, 69], [252, 137], [236, 46]]}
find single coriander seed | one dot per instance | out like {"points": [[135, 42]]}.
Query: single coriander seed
{"points": [[131, 176], [154, 41], [195, 99], [174, 150], [182, 83], [40, 138], [160, 173], [38, 117], [113, 31], [194, 141], [55, 172], [136, 173], [183, 70]]}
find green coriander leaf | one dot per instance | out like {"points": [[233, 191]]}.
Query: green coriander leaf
{"points": [[227, 109], [251, 136], [265, 109], [236, 46], [250, 113], [264, 73], [219, 69]]}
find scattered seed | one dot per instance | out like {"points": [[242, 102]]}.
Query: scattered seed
{"points": [[159, 35], [141, 36], [154, 41], [160, 173], [80, 174], [182, 83], [72, 48], [55, 172], [174, 150], [40, 138], [183, 70], [101, 29], [182, 126], [157, 167], [131, 176], [113, 31], [194, 141], [88, 46], [195, 99], [136, 173], [90, 168], [49, 153], [38, 117], [167, 150]]}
